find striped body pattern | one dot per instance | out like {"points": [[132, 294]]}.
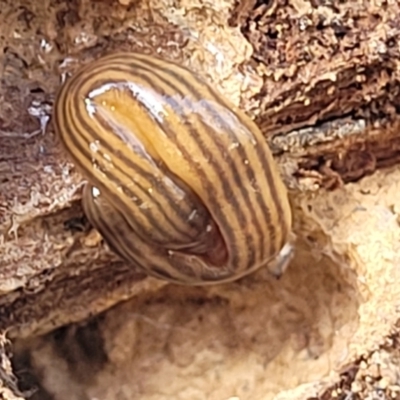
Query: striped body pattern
{"points": [[181, 183]]}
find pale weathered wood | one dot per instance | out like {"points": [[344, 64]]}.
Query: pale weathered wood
{"points": [[322, 83]]}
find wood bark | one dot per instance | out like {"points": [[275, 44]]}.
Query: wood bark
{"points": [[321, 79]]}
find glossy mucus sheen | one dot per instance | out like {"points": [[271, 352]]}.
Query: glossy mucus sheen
{"points": [[181, 182]]}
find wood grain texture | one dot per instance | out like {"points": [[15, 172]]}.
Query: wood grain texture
{"points": [[38, 183], [327, 104]]}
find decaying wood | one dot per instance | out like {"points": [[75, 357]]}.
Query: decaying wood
{"points": [[321, 78]]}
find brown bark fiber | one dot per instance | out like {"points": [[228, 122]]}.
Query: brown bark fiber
{"points": [[321, 79]]}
